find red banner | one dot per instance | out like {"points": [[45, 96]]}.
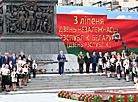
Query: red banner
{"points": [[94, 32]]}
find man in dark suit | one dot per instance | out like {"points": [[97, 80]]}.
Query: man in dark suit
{"points": [[13, 58], [61, 58], [94, 61], [22, 55], [81, 61], [6, 59], [1, 60], [87, 62]]}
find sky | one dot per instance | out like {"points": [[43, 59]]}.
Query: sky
{"points": [[89, 10]]}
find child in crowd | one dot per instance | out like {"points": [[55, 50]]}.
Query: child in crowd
{"points": [[14, 78], [25, 69], [108, 68], [126, 66], [34, 67], [100, 65], [135, 72], [3, 76], [20, 75], [112, 63], [7, 77], [118, 68]]}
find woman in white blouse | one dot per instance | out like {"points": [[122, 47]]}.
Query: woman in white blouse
{"points": [[126, 66], [20, 74], [14, 78], [7, 77], [118, 68], [25, 69], [34, 67]]}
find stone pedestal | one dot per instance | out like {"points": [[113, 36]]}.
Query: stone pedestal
{"points": [[16, 14]]}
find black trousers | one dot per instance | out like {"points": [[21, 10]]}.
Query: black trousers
{"points": [[81, 68], [34, 73], [61, 68], [3, 81], [87, 67], [94, 68]]}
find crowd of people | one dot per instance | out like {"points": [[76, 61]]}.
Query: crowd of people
{"points": [[115, 63], [15, 70]]}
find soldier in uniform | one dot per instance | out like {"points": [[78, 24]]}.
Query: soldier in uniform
{"points": [[94, 61], [81, 61], [87, 62], [61, 57]]}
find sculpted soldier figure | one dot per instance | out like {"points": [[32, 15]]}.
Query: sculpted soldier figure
{"points": [[21, 16], [1, 21], [8, 15], [39, 19], [51, 22], [30, 20], [13, 27]]}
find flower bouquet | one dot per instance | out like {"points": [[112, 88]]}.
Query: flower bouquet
{"points": [[42, 71], [21, 71], [12, 68], [29, 71], [26, 75], [45, 70], [0, 75], [8, 74], [35, 69], [16, 75]]}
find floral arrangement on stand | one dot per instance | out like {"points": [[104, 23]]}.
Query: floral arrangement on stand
{"points": [[80, 96]]}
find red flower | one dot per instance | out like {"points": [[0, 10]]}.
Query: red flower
{"points": [[45, 69], [51, 69], [77, 69], [68, 69], [118, 63], [57, 69], [40, 70], [72, 69], [65, 69]]}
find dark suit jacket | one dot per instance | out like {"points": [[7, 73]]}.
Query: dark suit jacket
{"points": [[100, 56], [4, 59], [59, 58], [13, 60], [94, 59], [80, 59], [87, 60], [22, 56], [1, 60]]}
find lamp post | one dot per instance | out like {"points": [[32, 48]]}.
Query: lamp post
{"points": [[116, 37]]}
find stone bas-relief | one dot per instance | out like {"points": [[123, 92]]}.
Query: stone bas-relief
{"points": [[1, 21], [30, 18]]}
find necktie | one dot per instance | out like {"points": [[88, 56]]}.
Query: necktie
{"points": [[6, 60]]}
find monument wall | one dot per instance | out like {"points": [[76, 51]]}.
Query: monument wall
{"points": [[29, 26]]}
